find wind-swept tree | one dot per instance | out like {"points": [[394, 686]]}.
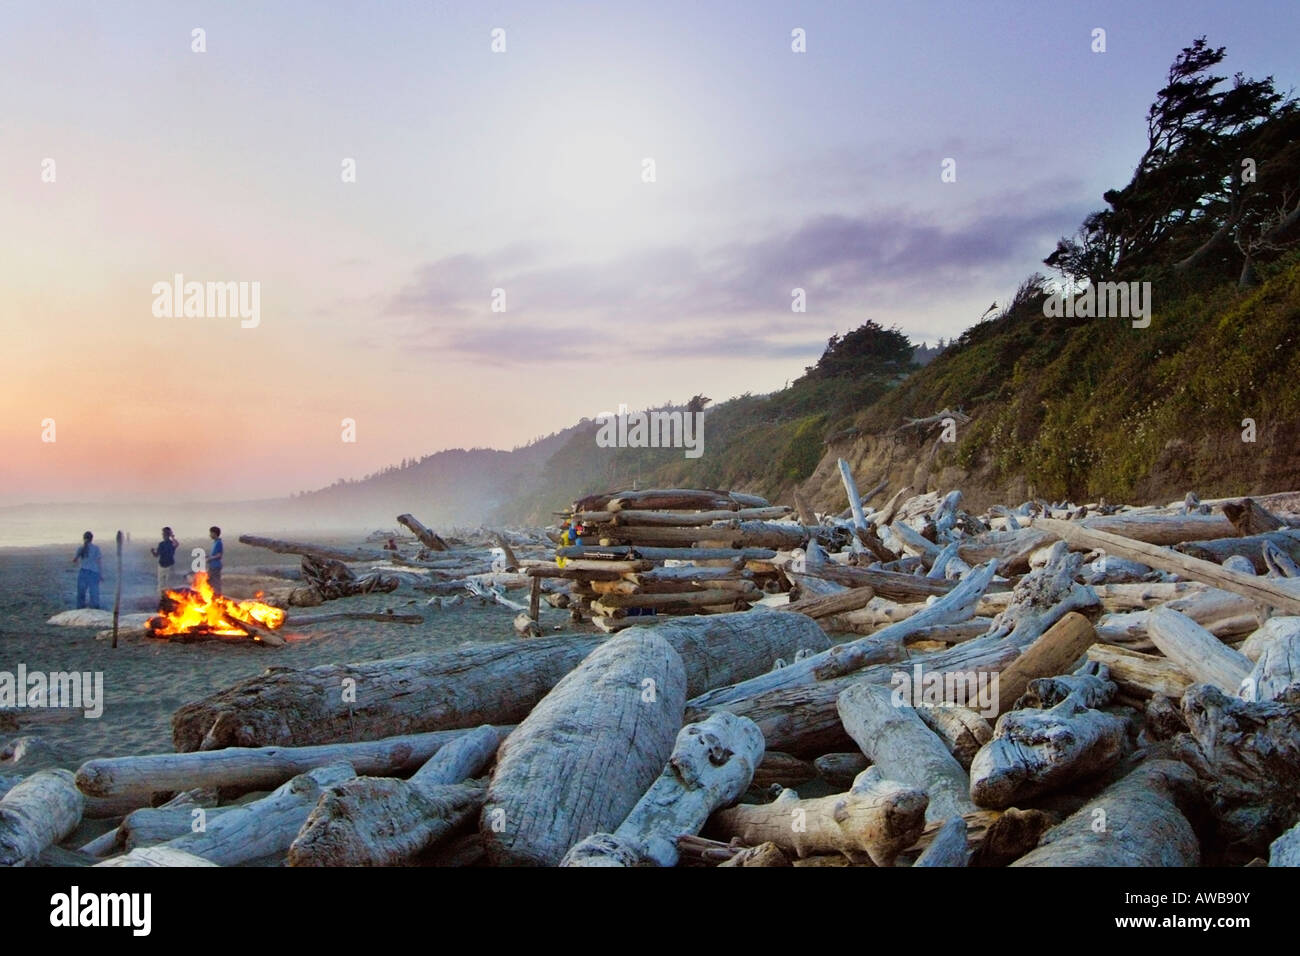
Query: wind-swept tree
{"points": [[1218, 183]]}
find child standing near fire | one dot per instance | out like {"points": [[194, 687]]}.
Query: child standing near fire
{"points": [[165, 552], [215, 555]]}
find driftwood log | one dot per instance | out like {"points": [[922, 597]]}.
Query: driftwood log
{"points": [[1261, 590], [1036, 751], [581, 760], [1196, 651], [262, 828], [899, 743], [37, 813], [711, 766], [379, 821], [1247, 755], [427, 537], [873, 822], [1055, 651], [244, 769], [949, 846], [465, 686], [803, 720], [1136, 821]]}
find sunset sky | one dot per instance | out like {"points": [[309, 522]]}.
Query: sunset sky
{"points": [[522, 171]]}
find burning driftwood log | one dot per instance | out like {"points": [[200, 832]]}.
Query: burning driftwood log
{"points": [[197, 613]]}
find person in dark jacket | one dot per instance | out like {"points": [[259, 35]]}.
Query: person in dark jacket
{"points": [[165, 552]]}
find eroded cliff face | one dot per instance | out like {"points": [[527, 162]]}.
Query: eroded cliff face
{"points": [[1214, 466]]}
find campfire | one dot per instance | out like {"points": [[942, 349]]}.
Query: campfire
{"points": [[197, 612]]}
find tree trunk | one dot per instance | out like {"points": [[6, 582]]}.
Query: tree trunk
{"points": [[1134, 822], [581, 760], [243, 770], [897, 741], [1139, 674], [427, 537], [1196, 651], [465, 686], [1036, 751], [949, 846], [379, 821], [1248, 758], [262, 828], [845, 658], [804, 720], [38, 812], [711, 765], [1257, 589], [1056, 651], [874, 821]]}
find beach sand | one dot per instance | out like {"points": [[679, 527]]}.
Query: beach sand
{"points": [[145, 680]]}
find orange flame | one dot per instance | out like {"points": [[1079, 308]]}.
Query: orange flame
{"points": [[198, 609]]}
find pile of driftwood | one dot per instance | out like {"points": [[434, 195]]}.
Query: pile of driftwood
{"points": [[632, 554], [1032, 686]]}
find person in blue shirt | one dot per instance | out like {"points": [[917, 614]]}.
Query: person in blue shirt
{"points": [[166, 555], [88, 571], [215, 555]]}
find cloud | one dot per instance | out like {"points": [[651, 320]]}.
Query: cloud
{"points": [[709, 300]]}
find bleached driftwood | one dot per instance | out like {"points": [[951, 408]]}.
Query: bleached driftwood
{"points": [[264, 768], [1042, 598], [1285, 850], [1261, 590], [896, 740], [804, 719], [1136, 821], [711, 766], [1141, 674], [157, 856], [473, 684], [961, 729], [875, 820], [377, 821], [36, 813], [1247, 756], [150, 825], [259, 829], [1197, 651], [1036, 751], [581, 760], [1055, 651], [1222, 613], [380, 821], [949, 846]]}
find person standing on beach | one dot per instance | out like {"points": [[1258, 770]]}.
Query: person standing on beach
{"points": [[166, 555], [215, 555], [88, 571]]}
